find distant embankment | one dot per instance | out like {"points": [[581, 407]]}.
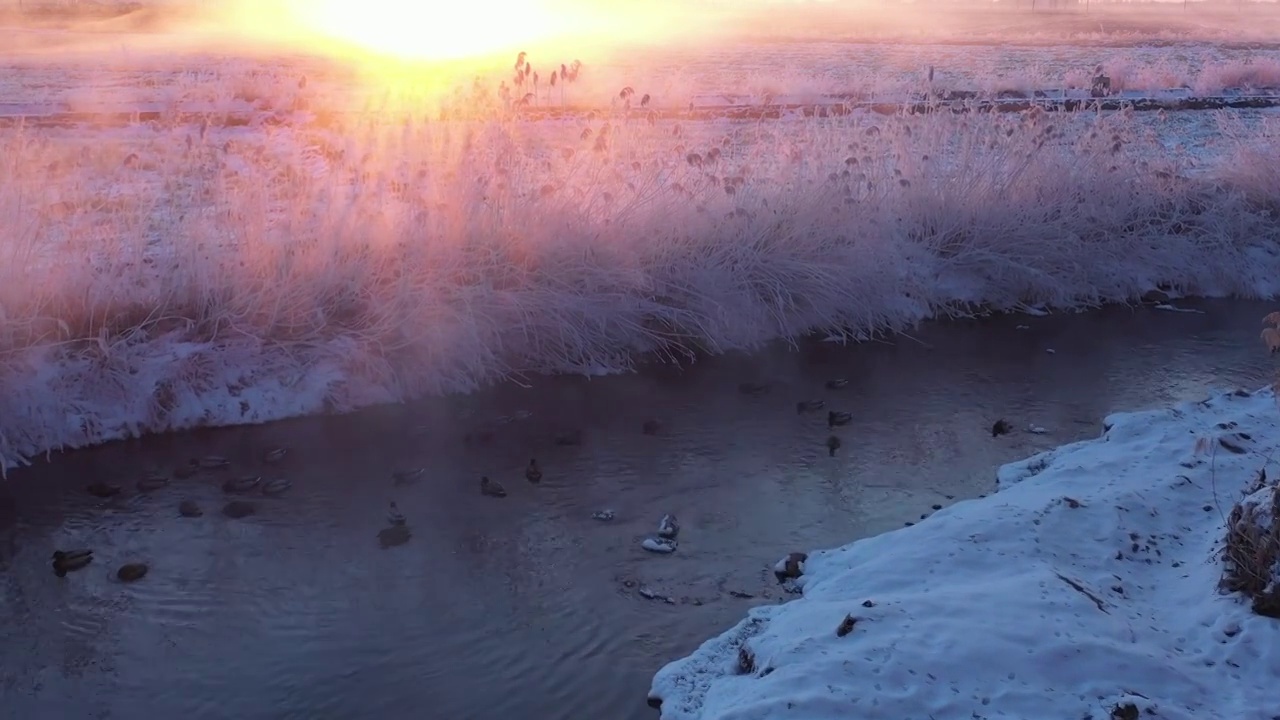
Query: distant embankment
{"points": [[725, 107]]}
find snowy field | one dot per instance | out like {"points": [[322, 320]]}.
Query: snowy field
{"points": [[1087, 587], [173, 274]]}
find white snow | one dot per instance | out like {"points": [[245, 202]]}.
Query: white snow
{"points": [[1088, 581]]}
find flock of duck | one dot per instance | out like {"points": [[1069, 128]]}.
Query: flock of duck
{"points": [[65, 561]]}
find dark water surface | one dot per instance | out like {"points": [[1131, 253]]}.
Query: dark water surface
{"points": [[519, 607]]}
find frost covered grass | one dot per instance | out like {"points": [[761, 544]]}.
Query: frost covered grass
{"points": [[171, 277], [1087, 587]]}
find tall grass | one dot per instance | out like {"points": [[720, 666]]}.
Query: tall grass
{"points": [[171, 278]]}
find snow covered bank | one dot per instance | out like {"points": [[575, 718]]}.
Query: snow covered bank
{"points": [[1089, 583]]}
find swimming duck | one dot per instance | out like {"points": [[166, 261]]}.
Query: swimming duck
{"points": [[1001, 428], [478, 437], [651, 427], [152, 483], [275, 455], [67, 561], [532, 473], [492, 488], [242, 484], [276, 487], [237, 509], [130, 572], [790, 567], [805, 406], [407, 477], [182, 472], [212, 462], [103, 490], [603, 515], [836, 418], [395, 535], [189, 508], [837, 383], [394, 516], [753, 388], [668, 527], [659, 545], [833, 444]]}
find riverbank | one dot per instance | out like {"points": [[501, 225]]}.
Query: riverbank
{"points": [[1087, 587]]}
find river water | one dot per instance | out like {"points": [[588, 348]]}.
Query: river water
{"points": [[526, 607]]}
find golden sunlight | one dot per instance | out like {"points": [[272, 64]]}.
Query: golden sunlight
{"points": [[450, 30]]}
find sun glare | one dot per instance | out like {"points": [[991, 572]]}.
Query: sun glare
{"points": [[448, 30]]}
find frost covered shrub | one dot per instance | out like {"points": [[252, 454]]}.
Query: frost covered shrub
{"points": [[174, 278]]}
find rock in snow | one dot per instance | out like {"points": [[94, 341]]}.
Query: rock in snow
{"points": [[1087, 586]]}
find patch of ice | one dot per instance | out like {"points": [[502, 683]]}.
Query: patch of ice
{"points": [[1089, 581]]}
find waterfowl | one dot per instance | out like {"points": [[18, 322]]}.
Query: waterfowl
{"points": [[276, 487], [394, 516], [603, 515], [492, 488], [805, 406], [532, 473], [651, 427], [748, 388], [237, 509], [571, 437], [668, 527], [130, 572], [833, 444], [659, 545], [189, 508], [790, 567], [241, 484], [70, 560], [103, 490], [182, 472], [212, 462], [478, 437], [151, 483], [407, 477], [394, 535], [1001, 428], [835, 418], [275, 455], [837, 383]]}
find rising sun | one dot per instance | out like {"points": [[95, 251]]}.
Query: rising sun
{"points": [[439, 30]]}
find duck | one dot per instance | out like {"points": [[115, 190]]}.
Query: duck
{"points": [[805, 406], [407, 477], [237, 509], [603, 515], [836, 418], [790, 567], [393, 536], [492, 488], [837, 383], [103, 490], [1001, 427], [533, 473], [189, 508], [212, 462], [242, 484], [276, 487], [748, 388], [833, 444], [182, 472], [662, 546], [651, 427], [129, 572], [668, 527], [394, 516], [479, 437], [70, 560], [275, 455], [152, 483]]}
